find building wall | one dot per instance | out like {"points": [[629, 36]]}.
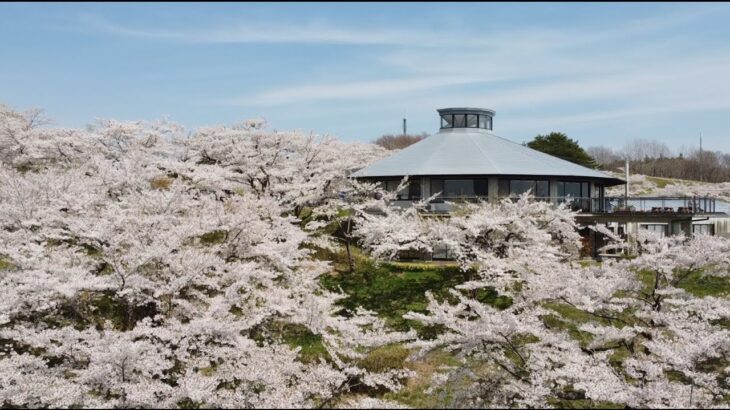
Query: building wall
{"points": [[721, 224], [493, 192]]}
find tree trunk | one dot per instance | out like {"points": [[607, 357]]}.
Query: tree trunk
{"points": [[350, 261]]}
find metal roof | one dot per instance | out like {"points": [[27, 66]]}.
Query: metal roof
{"points": [[473, 151], [466, 110]]}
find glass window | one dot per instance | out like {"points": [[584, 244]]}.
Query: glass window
{"points": [[447, 121], [460, 188], [471, 120], [571, 189], [391, 185], [703, 229], [457, 188], [413, 254], [414, 190], [481, 187], [489, 123], [516, 187], [440, 251], [483, 121], [520, 186], [459, 121], [437, 185], [574, 189], [579, 192]]}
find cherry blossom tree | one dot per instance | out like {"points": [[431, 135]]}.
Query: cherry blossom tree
{"points": [[142, 267], [643, 342]]}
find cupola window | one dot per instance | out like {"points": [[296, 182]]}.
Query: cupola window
{"points": [[466, 118]]}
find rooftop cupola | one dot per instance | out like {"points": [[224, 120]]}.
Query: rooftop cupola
{"points": [[466, 118]]}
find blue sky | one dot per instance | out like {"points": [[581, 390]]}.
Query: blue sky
{"points": [[602, 73]]}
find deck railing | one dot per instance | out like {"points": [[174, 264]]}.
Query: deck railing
{"points": [[620, 205], [677, 204]]}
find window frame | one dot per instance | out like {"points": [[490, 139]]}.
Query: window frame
{"points": [[407, 193], [476, 120], [510, 194], [582, 202], [483, 121], [443, 117], [461, 116], [474, 183], [479, 121]]}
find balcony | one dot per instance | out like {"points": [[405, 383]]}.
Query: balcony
{"points": [[654, 205], [613, 205]]}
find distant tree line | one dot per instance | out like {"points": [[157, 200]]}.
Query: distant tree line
{"points": [[654, 158], [391, 142]]}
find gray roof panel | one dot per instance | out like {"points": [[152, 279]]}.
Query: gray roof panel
{"points": [[473, 151]]}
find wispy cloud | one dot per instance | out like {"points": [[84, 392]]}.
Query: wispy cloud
{"points": [[251, 31], [352, 90], [558, 67], [509, 68]]}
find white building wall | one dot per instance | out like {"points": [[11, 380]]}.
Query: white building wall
{"points": [[722, 225]]}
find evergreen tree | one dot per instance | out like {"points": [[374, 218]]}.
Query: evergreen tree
{"points": [[559, 145]]}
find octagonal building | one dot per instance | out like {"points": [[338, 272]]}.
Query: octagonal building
{"points": [[465, 160]]}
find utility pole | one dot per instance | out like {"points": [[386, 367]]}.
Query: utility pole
{"points": [[626, 187], [701, 159], [404, 127]]}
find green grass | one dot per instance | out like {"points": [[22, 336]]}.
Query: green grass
{"points": [[574, 314], [385, 358], [661, 182], [394, 289], [569, 319], [702, 285], [555, 322], [214, 237], [4, 264], [585, 263], [698, 284], [312, 348], [413, 393]]}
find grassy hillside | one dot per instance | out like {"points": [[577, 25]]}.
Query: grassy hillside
{"points": [[642, 185], [392, 289]]}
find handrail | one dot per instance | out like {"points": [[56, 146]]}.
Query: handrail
{"points": [[616, 204], [667, 204]]}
